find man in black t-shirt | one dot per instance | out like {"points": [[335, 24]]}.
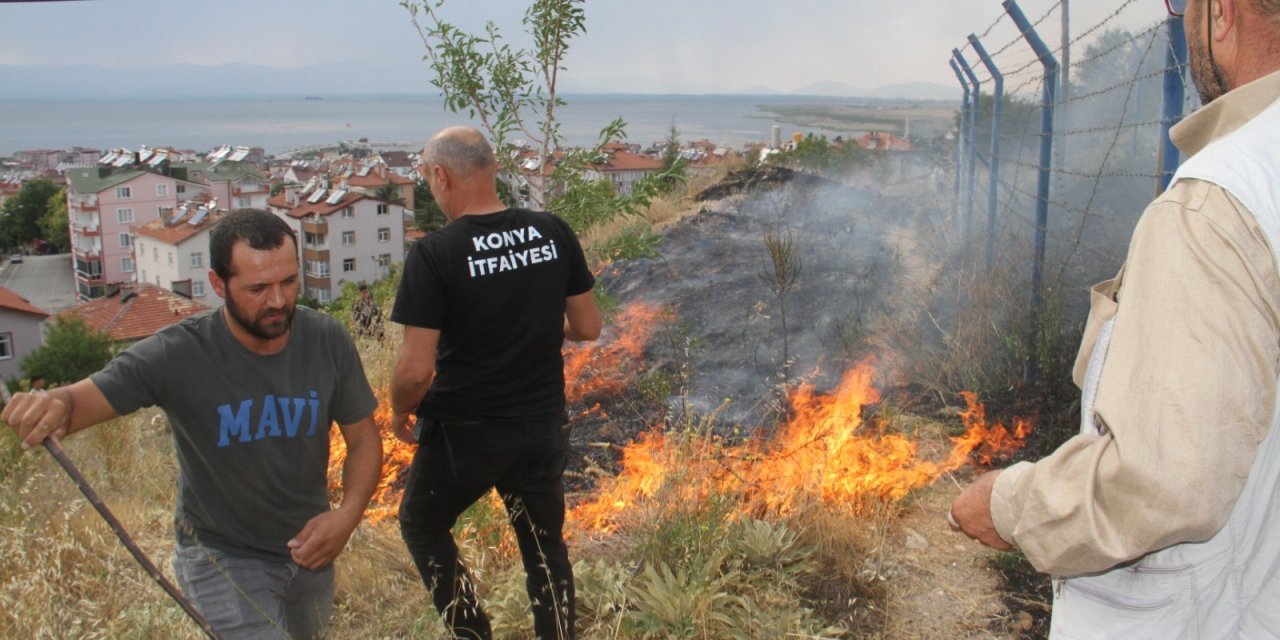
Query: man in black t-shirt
{"points": [[486, 304]]}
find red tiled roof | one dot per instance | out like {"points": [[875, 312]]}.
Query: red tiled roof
{"points": [[133, 315], [178, 232], [322, 208], [373, 180], [396, 158], [12, 301], [304, 173], [622, 160]]}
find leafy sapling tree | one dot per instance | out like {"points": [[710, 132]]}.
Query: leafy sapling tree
{"points": [[513, 94]]}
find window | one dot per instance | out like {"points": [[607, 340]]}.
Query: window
{"points": [[155, 253], [162, 190], [170, 257], [124, 216], [384, 234], [123, 193], [318, 294], [383, 260], [182, 188], [126, 265], [197, 289], [348, 265], [6, 346], [348, 212], [348, 238], [243, 202], [144, 276], [383, 209], [89, 268], [157, 281], [126, 240], [318, 268], [197, 259]]}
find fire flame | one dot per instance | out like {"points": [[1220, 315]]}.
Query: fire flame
{"points": [[601, 368], [608, 365], [396, 457], [821, 454]]}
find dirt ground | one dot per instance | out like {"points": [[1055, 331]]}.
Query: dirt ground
{"points": [[948, 587]]}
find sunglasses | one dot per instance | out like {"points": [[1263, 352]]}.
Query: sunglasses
{"points": [[1177, 8]]}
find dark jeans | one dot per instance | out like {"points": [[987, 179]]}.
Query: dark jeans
{"points": [[456, 464]]}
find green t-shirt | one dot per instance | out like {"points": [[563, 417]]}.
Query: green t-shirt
{"points": [[251, 432]]}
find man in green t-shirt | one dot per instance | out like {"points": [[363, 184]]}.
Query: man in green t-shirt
{"points": [[250, 389]]}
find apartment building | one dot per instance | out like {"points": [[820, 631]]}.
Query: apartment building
{"points": [[104, 206], [344, 235], [232, 177], [621, 164], [172, 252]]}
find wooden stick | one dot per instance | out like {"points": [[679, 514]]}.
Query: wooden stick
{"points": [[51, 443]]}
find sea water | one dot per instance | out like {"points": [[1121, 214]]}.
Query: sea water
{"points": [[283, 123]]}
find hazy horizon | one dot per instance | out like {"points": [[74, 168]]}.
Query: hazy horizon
{"points": [[656, 47]]}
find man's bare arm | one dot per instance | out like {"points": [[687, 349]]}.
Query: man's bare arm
{"points": [[58, 412]]}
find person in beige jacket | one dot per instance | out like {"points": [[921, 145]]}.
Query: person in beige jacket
{"points": [[1162, 518]]}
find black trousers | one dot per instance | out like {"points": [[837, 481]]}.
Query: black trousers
{"points": [[455, 465]]}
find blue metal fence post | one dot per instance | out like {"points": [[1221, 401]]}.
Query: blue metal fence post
{"points": [[1046, 157], [993, 162], [1174, 93], [961, 136], [975, 107]]}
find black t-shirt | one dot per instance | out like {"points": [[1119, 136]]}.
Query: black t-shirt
{"points": [[494, 285]]}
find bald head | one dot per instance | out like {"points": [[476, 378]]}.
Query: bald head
{"points": [[462, 171], [463, 151]]}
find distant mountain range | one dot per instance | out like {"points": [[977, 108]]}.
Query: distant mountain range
{"points": [[89, 81]]}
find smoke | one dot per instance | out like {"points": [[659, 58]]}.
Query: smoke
{"points": [[712, 277]]}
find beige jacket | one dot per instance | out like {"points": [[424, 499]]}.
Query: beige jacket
{"points": [[1188, 390]]}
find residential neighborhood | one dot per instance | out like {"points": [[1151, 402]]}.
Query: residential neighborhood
{"points": [[138, 220]]}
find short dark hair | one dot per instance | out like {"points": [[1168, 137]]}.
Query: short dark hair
{"points": [[262, 230]]}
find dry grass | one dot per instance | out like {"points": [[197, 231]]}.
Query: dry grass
{"points": [[56, 550], [673, 568]]}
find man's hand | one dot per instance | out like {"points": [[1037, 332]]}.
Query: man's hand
{"points": [[971, 513], [36, 416], [402, 427], [323, 538]]}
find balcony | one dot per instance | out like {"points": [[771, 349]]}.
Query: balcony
{"points": [[86, 230], [89, 271], [315, 255], [248, 190], [320, 227], [315, 282]]}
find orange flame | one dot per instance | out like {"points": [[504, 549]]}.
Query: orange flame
{"points": [[821, 454], [396, 457], [590, 368], [608, 365]]}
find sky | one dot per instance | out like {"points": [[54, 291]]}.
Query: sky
{"points": [[630, 46]]}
